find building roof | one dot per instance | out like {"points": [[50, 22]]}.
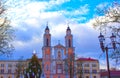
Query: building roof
{"points": [[68, 28], [112, 73], [46, 28], [59, 46], [86, 59]]}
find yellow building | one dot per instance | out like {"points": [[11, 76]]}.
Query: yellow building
{"points": [[9, 68], [12, 68], [87, 68]]}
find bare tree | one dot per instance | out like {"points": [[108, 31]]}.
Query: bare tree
{"points": [[6, 32], [69, 64], [79, 69], [21, 65], [107, 22]]}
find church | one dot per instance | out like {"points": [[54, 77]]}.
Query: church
{"points": [[58, 60]]}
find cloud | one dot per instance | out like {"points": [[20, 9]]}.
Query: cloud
{"points": [[79, 12], [19, 44], [25, 48], [25, 10], [102, 5], [30, 18], [58, 2]]}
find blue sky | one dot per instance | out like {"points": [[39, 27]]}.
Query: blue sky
{"points": [[29, 18]]}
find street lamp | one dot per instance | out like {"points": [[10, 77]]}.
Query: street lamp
{"points": [[113, 40], [105, 48]]}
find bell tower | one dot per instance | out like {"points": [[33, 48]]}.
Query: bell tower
{"points": [[68, 38], [46, 53], [70, 52], [69, 41], [47, 37]]}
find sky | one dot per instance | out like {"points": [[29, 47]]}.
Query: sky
{"points": [[30, 17]]}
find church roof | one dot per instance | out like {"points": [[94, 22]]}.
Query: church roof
{"points": [[47, 28], [68, 28], [59, 46]]}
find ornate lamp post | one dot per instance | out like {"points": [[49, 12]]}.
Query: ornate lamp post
{"points": [[105, 48]]}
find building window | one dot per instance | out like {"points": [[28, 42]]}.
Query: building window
{"points": [[59, 68], [94, 71], [80, 71], [94, 65], [87, 76], [16, 65], [86, 71], [86, 65], [79, 64], [59, 54], [2, 71], [47, 68], [47, 43], [9, 71], [69, 43], [9, 65], [2, 65], [94, 77]]}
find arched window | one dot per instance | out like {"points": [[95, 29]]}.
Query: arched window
{"points": [[47, 68], [47, 42], [69, 43], [59, 54]]}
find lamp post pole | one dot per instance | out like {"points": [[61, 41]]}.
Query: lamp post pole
{"points": [[107, 59], [105, 48]]}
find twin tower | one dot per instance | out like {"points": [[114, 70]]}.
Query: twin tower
{"points": [[53, 57]]}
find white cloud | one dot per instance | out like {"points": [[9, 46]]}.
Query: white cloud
{"points": [[59, 30], [58, 2], [102, 6], [82, 10], [33, 22], [33, 13], [46, 15], [24, 44]]}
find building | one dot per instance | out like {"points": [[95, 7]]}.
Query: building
{"points": [[113, 74], [57, 61], [53, 57], [87, 68], [9, 68], [13, 68]]}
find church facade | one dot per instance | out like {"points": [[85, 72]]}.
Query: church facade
{"points": [[58, 61]]}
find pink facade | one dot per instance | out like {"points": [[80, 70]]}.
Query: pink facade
{"points": [[53, 62]]}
